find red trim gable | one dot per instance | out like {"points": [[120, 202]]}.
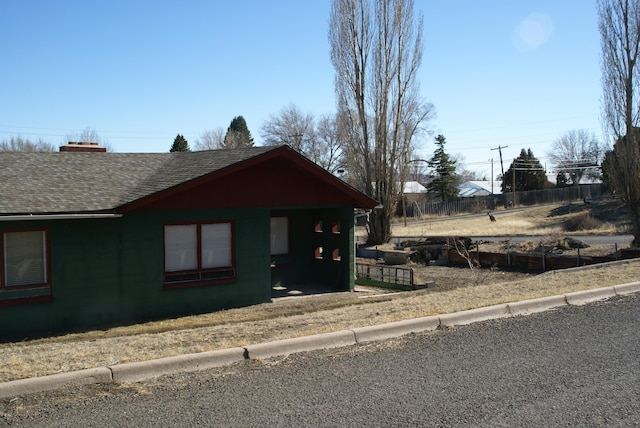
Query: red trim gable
{"points": [[279, 177]]}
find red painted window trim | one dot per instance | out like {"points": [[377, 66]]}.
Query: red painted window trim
{"points": [[200, 271], [31, 300], [191, 284]]}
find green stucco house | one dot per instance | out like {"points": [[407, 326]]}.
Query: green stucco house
{"points": [[91, 239]]}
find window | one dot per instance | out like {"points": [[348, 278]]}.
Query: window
{"points": [[198, 253], [24, 261], [279, 236]]}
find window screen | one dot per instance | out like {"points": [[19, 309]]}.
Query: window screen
{"points": [[180, 247], [216, 245], [25, 258], [279, 235]]}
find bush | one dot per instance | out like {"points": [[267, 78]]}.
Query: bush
{"points": [[582, 221]]}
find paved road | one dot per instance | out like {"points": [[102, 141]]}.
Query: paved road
{"points": [[623, 241], [578, 366]]}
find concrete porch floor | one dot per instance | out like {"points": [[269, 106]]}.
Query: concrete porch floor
{"points": [[302, 290]]}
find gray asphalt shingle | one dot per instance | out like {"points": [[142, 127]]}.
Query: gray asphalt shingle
{"points": [[67, 182]]}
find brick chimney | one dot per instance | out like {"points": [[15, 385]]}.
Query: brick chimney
{"points": [[83, 146]]}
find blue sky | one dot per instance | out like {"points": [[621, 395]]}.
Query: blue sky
{"points": [[500, 73]]}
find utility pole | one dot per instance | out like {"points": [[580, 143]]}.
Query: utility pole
{"points": [[499, 149], [513, 186], [491, 176]]}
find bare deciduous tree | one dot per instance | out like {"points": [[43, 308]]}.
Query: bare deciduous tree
{"points": [[327, 151], [376, 49], [577, 153], [88, 134], [290, 126], [19, 144], [463, 246], [210, 140], [316, 140], [619, 25]]}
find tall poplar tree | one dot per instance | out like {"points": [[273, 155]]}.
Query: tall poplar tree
{"points": [[376, 50], [619, 25]]}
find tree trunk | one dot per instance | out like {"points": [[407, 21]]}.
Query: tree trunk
{"points": [[379, 228], [634, 213]]}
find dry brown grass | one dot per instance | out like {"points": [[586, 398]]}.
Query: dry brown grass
{"points": [[542, 220], [294, 317], [287, 318]]}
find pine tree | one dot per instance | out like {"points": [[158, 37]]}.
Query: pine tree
{"points": [[563, 180], [180, 144], [238, 134], [444, 185], [529, 174]]}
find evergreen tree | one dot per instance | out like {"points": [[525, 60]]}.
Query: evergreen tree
{"points": [[563, 180], [529, 174], [238, 134], [444, 185], [180, 144]]}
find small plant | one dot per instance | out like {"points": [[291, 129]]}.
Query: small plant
{"points": [[582, 221], [463, 247]]}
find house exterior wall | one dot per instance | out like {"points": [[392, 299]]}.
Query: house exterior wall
{"points": [[110, 271], [303, 265], [84, 263]]}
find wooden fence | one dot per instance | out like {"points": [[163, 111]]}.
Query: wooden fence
{"points": [[541, 262], [489, 203]]}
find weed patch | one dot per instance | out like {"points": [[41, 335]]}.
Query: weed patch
{"points": [[581, 221]]}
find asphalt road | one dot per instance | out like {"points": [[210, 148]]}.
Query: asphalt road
{"points": [[576, 366], [622, 240]]}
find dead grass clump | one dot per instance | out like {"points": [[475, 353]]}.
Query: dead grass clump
{"points": [[581, 221], [528, 246]]}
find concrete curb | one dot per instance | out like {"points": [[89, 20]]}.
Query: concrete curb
{"points": [[132, 372], [334, 339], [532, 306], [474, 315], [396, 329], [630, 288], [56, 381], [588, 296]]}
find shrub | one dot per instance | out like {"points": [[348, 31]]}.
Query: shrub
{"points": [[582, 221]]}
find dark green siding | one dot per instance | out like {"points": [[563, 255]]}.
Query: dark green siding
{"points": [[110, 271], [301, 266]]}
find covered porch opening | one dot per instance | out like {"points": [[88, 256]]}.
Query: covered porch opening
{"points": [[312, 251]]}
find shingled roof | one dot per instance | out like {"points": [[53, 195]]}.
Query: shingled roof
{"points": [[45, 183]]}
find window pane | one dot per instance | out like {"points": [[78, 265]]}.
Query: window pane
{"points": [[180, 248], [279, 235], [25, 260], [216, 245]]}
